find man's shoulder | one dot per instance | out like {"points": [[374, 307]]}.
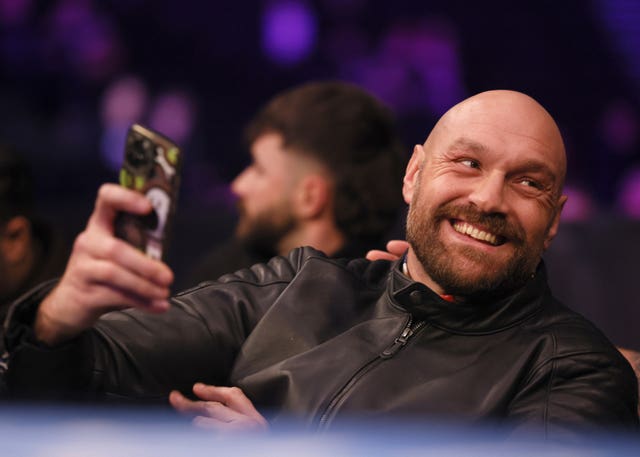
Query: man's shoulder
{"points": [[221, 259], [570, 333], [312, 271], [310, 261], [567, 347]]}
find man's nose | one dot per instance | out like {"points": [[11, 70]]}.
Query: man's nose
{"points": [[239, 183], [488, 193]]}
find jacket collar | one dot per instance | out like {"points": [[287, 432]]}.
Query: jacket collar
{"points": [[424, 304]]}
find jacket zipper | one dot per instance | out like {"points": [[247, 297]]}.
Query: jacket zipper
{"points": [[402, 340], [409, 330]]}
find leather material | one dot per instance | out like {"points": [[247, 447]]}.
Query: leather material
{"points": [[322, 340]]}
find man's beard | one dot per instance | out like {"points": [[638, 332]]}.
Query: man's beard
{"points": [[446, 266], [261, 234]]}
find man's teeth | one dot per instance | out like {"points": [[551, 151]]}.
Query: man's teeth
{"points": [[473, 232]]}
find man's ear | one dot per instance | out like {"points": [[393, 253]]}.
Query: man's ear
{"points": [[553, 228], [412, 174], [313, 196], [16, 239]]}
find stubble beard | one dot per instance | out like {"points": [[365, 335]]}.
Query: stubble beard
{"points": [[446, 266], [263, 232]]}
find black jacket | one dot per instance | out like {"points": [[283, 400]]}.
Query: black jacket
{"points": [[321, 339]]}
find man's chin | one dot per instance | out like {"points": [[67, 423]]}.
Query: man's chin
{"points": [[479, 289], [477, 276]]}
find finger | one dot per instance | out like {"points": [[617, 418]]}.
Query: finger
{"points": [[113, 198], [105, 247], [110, 274], [186, 406], [376, 254], [212, 409], [215, 415], [86, 270], [191, 407], [398, 247], [105, 296], [150, 305], [136, 261], [233, 397]]}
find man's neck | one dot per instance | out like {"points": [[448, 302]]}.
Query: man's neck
{"points": [[414, 270], [320, 236]]}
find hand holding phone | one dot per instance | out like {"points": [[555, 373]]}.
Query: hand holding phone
{"points": [[152, 165]]}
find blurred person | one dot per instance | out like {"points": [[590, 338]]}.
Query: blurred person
{"points": [[463, 327], [325, 172], [30, 250]]}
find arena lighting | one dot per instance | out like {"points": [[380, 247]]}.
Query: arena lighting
{"points": [[15, 12], [620, 19], [288, 31], [628, 199], [123, 103]]}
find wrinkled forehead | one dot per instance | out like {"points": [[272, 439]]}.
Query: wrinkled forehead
{"points": [[512, 123]]}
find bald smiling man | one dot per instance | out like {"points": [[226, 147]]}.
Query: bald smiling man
{"points": [[462, 327]]}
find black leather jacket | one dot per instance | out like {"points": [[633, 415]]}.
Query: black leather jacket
{"points": [[320, 339]]}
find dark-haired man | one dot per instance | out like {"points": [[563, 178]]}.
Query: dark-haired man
{"points": [[325, 172], [463, 327]]}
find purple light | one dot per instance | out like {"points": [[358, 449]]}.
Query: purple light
{"points": [[628, 201], [14, 12], [620, 19], [620, 127], [83, 39], [289, 31], [123, 103], [112, 145], [416, 68], [580, 206], [173, 114]]}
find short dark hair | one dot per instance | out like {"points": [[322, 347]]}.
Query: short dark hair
{"points": [[354, 135], [16, 185]]}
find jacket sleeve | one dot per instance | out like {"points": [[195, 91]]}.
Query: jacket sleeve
{"points": [[573, 393], [135, 355]]}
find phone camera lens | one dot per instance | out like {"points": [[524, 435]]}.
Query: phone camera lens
{"points": [[140, 153]]}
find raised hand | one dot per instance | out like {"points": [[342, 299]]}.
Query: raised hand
{"points": [[395, 250], [103, 273], [220, 408]]}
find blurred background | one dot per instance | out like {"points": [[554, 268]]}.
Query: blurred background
{"points": [[74, 74]]}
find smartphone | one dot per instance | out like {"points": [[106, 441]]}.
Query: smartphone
{"points": [[152, 165]]}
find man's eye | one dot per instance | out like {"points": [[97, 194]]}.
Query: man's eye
{"points": [[470, 163], [531, 183]]}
